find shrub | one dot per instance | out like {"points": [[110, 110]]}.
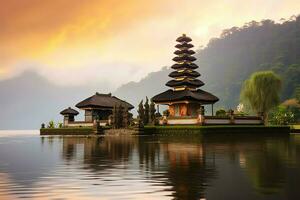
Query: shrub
{"points": [[221, 113], [281, 116], [51, 124]]}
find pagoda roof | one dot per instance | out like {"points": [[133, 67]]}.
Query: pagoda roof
{"points": [[185, 82], [184, 65], [184, 58], [69, 111], [183, 38], [186, 73], [201, 96], [184, 51], [103, 101], [184, 45]]}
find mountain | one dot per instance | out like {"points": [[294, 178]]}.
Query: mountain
{"points": [[227, 61], [29, 100]]}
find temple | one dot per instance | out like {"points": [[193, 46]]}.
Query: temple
{"points": [[185, 97], [97, 107]]}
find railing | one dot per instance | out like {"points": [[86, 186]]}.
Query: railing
{"points": [[211, 120], [85, 124]]}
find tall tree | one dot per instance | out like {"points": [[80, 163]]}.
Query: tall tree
{"points": [[141, 111], [120, 116], [125, 117], [261, 92], [152, 112], [146, 110], [115, 117]]}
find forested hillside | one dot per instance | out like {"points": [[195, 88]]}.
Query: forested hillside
{"points": [[227, 61]]}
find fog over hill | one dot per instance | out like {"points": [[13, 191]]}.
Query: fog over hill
{"points": [[28, 100]]}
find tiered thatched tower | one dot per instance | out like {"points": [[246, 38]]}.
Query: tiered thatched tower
{"points": [[185, 98]]}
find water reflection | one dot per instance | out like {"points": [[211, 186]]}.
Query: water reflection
{"points": [[156, 167]]}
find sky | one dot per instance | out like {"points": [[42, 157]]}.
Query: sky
{"points": [[75, 42]]}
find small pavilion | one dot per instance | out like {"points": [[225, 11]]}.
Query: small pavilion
{"points": [[69, 115], [185, 97]]}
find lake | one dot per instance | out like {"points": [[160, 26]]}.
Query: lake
{"points": [[206, 167]]}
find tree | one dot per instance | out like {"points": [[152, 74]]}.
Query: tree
{"points": [[261, 92], [141, 111], [115, 117], [152, 112], [146, 110], [125, 117], [120, 116], [297, 93]]}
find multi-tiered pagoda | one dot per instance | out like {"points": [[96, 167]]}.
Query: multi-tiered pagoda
{"points": [[185, 98]]}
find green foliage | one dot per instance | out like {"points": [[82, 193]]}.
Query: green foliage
{"points": [[241, 114], [51, 124], [291, 77], [117, 117], [152, 112], [60, 125], [220, 113], [261, 91], [141, 112], [281, 116], [297, 93], [120, 118], [256, 46], [146, 111], [296, 113]]}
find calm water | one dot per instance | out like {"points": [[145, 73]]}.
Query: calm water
{"points": [[124, 167]]}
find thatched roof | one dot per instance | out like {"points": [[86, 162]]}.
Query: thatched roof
{"points": [[184, 51], [69, 111], [185, 73], [184, 65], [103, 101], [200, 96], [184, 58], [184, 45], [183, 38], [185, 82]]}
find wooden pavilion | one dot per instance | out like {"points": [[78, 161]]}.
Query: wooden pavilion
{"points": [[69, 115], [100, 106], [185, 97]]}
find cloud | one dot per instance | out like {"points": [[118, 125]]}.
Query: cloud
{"points": [[113, 40]]}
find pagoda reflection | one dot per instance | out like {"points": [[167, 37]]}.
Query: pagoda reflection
{"points": [[182, 166], [188, 166]]}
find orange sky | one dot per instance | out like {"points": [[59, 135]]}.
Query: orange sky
{"points": [[114, 40]]}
